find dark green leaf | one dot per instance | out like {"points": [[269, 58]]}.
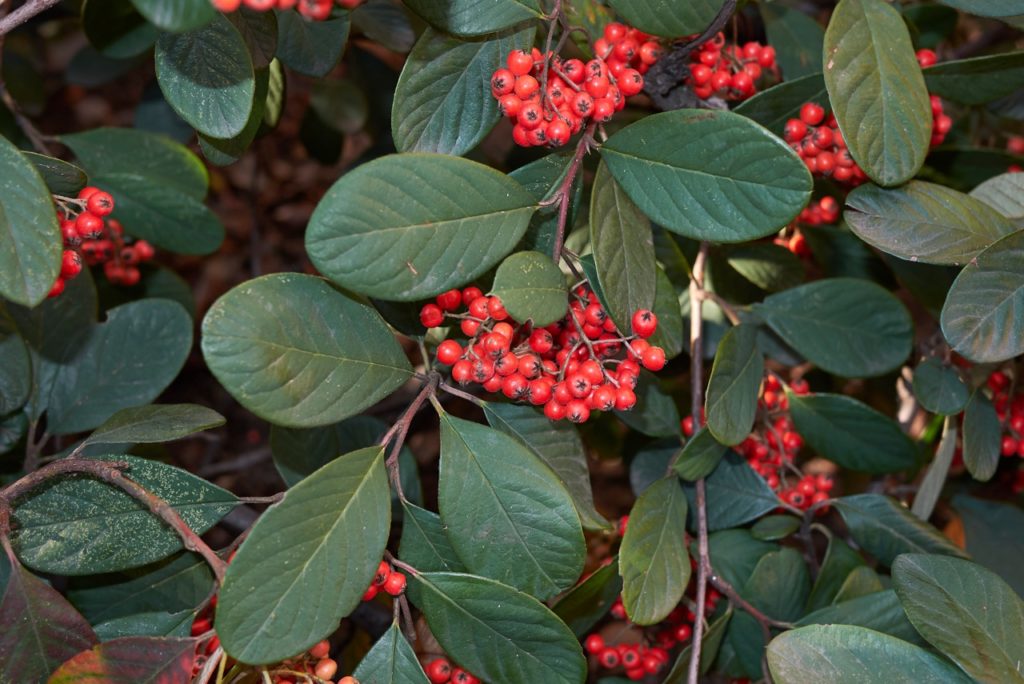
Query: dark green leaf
{"points": [[41, 629], [155, 624], [862, 581], [850, 433], [128, 660], [650, 463], [877, 92], [409, 226], [840, 560], [773, 107], [983, 318], [226, 151], [935, 478], [846, 654], [496, 632], [735, 494], [779, 585], [768, 266], [775, 527], [155, 423], [842, 254], [259, 31], [982, 440], [967, 612], [933, 23], [716, 631], [312, 48], [653, 561], [708, 174], [939, 388], [557, 444], [924, 222], [735, 553], [669, 333], [797, 38], [655, 413], [300, 452], [443, 102], [978, 80], [988, 8], [532, 287], [992, 530], [846, 326], [340, 104], [667, 19], [880, 611], [585, 604], [541, 178], [15, 367], [475, 17], [1005, 194], [116, 29], [306, 561], [700, 456], [60, 177], [207, 77], [391, 661], [506, 513], [385, 22], [425, 544], [885, 529], [176, 15], [30, 242], [333, 355], [733, 386]]}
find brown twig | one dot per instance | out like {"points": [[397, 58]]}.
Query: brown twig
{"points": [[7, 23], [400, 429], [564, 193], [23, 14]]}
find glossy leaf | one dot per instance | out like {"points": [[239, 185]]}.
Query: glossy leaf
{"points": [[391, 661], [797, 38], [849, 327], [126, 361], [924, 222], [669, 333], [846, 654], [885, 529], [129, 660], [476, 17], [155, 423], [983, 318], [83, 526], [700, 456], [334, 355], [60, 177], [982, 439], [531, 287], [939, 388], [978, 80], [405, 227], [733, 386], [424, 543], [207, 77], [176, 15], [653, 560], [306, 561], [556, 443], [226, 151], [312, 48], [259, 31], [666, 19], [877, 92], [967, 612], [862, 581], [773, 107], [1005, 194], [496, 632], [30, 242], [850, 433], [735, 494], [775, 527], [507, 514], [584, 605], [443, 102]]}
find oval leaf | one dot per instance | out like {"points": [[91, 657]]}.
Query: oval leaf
{"points": [[982, 437], [735, 494], [155, 423], [733, 386], [424, 544], [668, 19], [773, 107], [306, 561], [700, 456], [978, 80], [475, 17], [709, 174], [176, 15], [532, 288], [60, 177], [333, 355], [409, 226], [877, 91], [391, 661], [585, 604], [130, 660], [939, 388], [1005, 194], [312, 48]]}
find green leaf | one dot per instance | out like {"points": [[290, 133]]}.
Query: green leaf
{"points": [[847, 326], [655, 414], [982, 439], [333, 356], [584, 605], [667, 19], [775, 527], [709, 174], [385, 22], [443, 102], [735, 553], [885, 529], [306, 561], [391, 661], [404, 227], [653, 561], [935, 479], [116, 29], [81, 526], [130, 659], [41, 629], [226, 151], [300, 452], [126, 361], [939, 388], [713, 637], [61, 178], [978, 80], [669, 334], [735, 494], [15, 367], [496, 632], [924, 222], [991, 531], [700, 456], [846, 654], [983, 317], [542, 178], [988, 8], [558, 444], [532, 288], [967, 612], [155, 423], [797, 38], [312, 48], [862, 581], [1005, 194], [30, 242], [176, 15], [506, 513], [768, 266], [840, 560], [207, 77], [850, 433], [731, 402], [880, 611], [623, 246], [779, 584], [259, 31], [424, 543], [155, 624], [877, 91], [476, 17], [773, 107]]}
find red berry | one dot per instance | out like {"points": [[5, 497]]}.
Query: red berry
{"points": [[89, 226], [439, 671], [926, 58], [577, 411], [812, 114], [448, 352], [554, 410], [321, 649], [326, 668], [395, 584], [609, 657], [653, 359], [450, 300], [594, 643], [625, 399], [795, 130], [526, 85], [431, 316], [644, 322], [520, 62], [70, 265], [100, 203], [143, 250]]}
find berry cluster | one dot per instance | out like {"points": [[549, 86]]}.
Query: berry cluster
{"points": [[730, 72], [90, 237], [391, 581], [1010, 409], [569, 367], [440, 671], [550, 99], [311, 9], [820, 213]]}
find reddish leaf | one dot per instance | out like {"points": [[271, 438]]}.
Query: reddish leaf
{"points": [[131, 659], [40, 629]]}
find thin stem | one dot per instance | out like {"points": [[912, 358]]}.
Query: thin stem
{"points": [[454, 391], [23, 14], [728, 309], [401, 429], [729, 591], [564, 193], [33, 447]]}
